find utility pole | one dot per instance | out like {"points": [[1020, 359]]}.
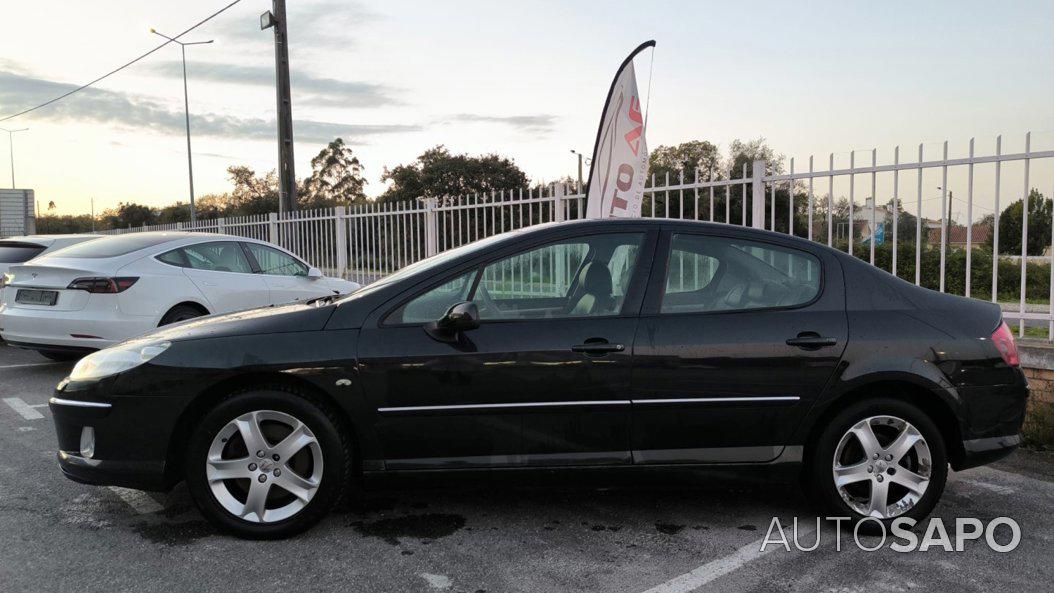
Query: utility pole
{"points": [[948, 219], [581, 157], [11, 148], [286, 173], [93, 215]]}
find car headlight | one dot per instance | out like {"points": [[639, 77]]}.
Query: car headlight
{"points": [[115, 360]]}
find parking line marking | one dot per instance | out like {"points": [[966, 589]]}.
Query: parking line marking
{"points": [[715, 569], [30, 364], [140, 501], [25, 410]]}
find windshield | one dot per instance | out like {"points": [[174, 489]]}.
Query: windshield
{"points": [[113, 246], [430, 263]]}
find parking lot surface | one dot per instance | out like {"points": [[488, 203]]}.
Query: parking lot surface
{"points": [[661, 531]]}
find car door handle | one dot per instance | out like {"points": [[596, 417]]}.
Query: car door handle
{"points": [[597, 348], [811, 341]]}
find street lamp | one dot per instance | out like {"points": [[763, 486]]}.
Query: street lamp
{"points": [[186, 110], [11, 148], [588, 161]]}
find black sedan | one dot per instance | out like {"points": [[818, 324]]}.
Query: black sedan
{"points": [[597, 343]]}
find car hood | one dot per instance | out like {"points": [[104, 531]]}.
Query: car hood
{"points": [[296, 317]]}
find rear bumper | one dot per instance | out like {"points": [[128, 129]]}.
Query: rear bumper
{"points": [[978, 452], [992, 421], [131, 441], [43, 329]]}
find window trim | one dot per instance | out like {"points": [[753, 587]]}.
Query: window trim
{"points": [[657, 285], [636, 291]]}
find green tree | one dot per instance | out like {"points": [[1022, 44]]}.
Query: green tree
{"points": [[53, 224], [128, 214], [438, 173], [686, 158], [252, 194], [1039, 212], [336, 178]]}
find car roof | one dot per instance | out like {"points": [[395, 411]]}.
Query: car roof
{"points": [[48, 239], [674, 223]]}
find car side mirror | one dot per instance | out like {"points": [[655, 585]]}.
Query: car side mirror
{"points": [[314, 274], [458, 318]]}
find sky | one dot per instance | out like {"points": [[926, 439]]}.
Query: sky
{"points": [[526, 80]]}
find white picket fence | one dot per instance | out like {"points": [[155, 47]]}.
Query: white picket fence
{"points": [[366, 242]]}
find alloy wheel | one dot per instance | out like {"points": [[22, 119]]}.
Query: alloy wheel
{"points": [[264, 466], [882, 467]]}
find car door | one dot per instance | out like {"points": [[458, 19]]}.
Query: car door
{"points": [[739, 336], [220, 270], [286, 277], [542, 381]]}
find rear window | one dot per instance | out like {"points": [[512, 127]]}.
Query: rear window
{"points": [[112, 246], [16, 253]]}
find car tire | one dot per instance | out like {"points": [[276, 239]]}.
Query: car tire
{"points": [[217, 445], [843, 479], [180, 313], [62, 355]]}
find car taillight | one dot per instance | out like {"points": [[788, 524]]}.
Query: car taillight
{"points": [[1003, 339], [102, 285]]}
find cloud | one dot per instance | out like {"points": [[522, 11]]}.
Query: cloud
{"points": [[529, 123], [315, 26], [105, 107], [305, 87]]}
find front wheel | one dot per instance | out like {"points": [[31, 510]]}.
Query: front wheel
{"points": [[267, 463], [879, 459]]}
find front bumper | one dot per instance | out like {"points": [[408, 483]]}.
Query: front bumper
{"points": [[131, 436]]}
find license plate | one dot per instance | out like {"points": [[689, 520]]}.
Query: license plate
{"points": [[47, 298]]}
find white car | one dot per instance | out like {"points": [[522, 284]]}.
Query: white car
{"points": [[18, 250], [97, 294]]}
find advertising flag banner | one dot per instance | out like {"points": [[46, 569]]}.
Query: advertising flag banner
{"points": [[620, 155]]}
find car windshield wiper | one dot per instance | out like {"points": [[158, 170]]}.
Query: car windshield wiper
{"points": [[323, 300]]}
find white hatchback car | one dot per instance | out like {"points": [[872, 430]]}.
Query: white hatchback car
{"points": [[18, 250], [96, 294]]}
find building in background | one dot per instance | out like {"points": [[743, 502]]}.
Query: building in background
{"points": [[17, 215]]}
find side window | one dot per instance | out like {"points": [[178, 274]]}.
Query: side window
{"points": [[219, 256], [275, 262], [434, 303], [707, 274], [174, 258], [581, 277]]}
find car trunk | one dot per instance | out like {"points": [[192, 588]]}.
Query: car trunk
{"points": [[43, 286]]}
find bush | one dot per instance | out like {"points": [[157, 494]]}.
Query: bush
{"points": [[1038, 431], [1037, 276]]}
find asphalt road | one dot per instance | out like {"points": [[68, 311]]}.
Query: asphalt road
{"points": [[664, 532]]}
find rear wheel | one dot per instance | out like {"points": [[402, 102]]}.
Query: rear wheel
{"points": [[267, 463], [879, 459], [180, 313], [62, 355]]}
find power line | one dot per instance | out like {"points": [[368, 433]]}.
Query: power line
{"points": [[119, 68]]}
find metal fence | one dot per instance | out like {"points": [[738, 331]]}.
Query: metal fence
{"points": [[874, 209]]}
